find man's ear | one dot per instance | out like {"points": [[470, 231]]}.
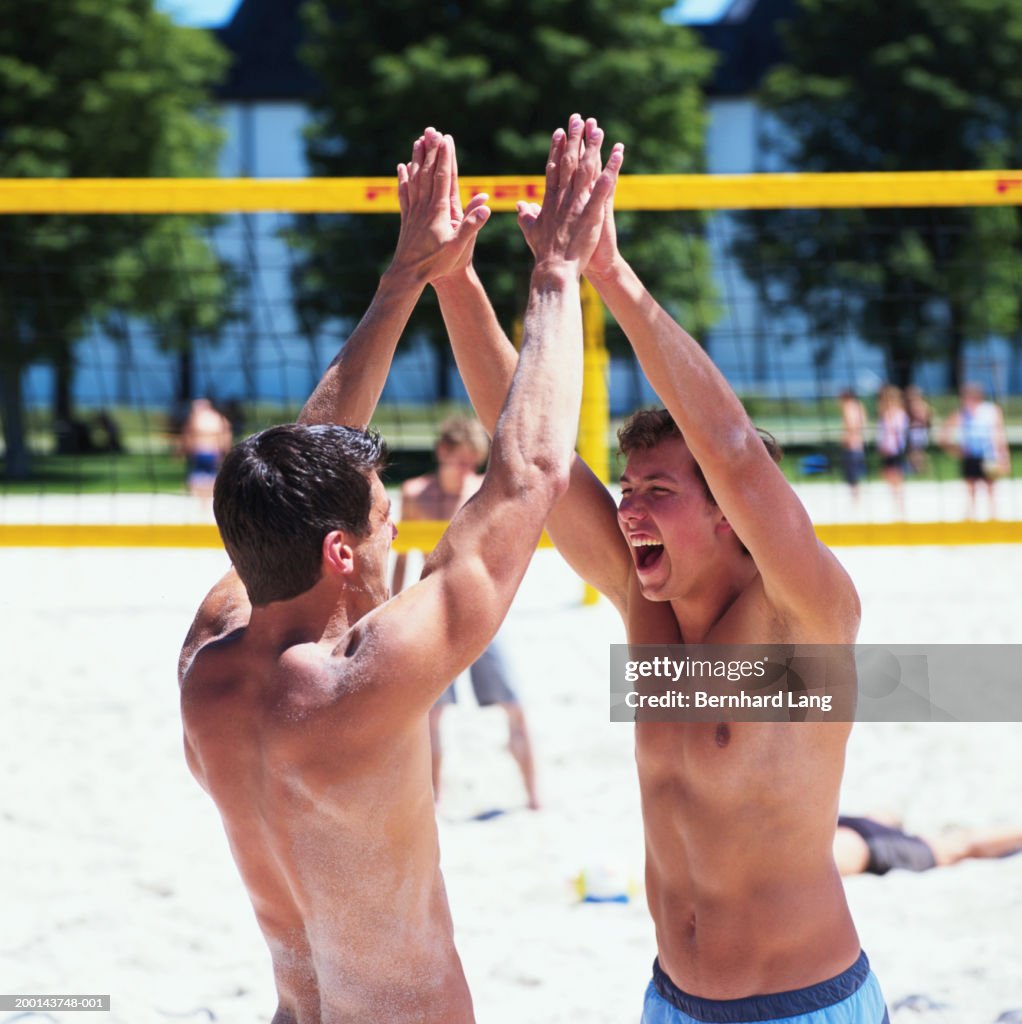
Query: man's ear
{"points": [[338, 554]]}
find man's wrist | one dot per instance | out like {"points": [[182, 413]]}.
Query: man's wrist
{"points": [[402, 278], [606, 275], [559, 273], [457, 279]]}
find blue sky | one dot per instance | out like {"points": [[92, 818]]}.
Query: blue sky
{"points": [[199, 12], [217, 12]]}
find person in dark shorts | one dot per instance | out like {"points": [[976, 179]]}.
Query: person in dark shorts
{"points": [[869, 846], [975, 433]]}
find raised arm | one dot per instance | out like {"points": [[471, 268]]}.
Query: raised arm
{"points": [[798, 573], [583, 523], [446, 620], [429, 243]]}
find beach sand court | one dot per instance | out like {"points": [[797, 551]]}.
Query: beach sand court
{"points": [[116, 876]]}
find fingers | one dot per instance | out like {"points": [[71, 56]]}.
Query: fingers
{"points": [[553, 163], [456, 211], [603, 188], [480, 199], [572, 150], [474, 219], [414, 166], [442, 176], [589, 164], [431, 144], [528, 213], [402, 189]]}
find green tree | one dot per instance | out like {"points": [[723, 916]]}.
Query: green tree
{"points": [[99, 88], [500, 75], [895, 85]]}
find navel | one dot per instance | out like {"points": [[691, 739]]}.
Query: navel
{"points": [[723, 735]]}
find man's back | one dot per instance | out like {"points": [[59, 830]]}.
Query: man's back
{"points": [[330, 819]]}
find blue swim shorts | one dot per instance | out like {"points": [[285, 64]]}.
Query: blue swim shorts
{"points": [[853, 997]]}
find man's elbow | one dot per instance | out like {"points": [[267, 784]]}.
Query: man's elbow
{"points": [[550, 473], [532, 479]]}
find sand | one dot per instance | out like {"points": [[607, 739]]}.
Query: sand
{"points": [[116, 877]]}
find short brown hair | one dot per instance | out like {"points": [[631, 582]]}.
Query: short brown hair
{"points": [[648, 427], [280, 492]]}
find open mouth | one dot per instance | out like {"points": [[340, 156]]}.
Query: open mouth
{"points": [[647, 553]]}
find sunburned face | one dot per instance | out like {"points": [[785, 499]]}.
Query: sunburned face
{"points": [[375, 546], [455, 464], [665, 517]]}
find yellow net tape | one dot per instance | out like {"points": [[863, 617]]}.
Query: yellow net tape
{"points": [[423, 535], [635, 192], [379, 195]]}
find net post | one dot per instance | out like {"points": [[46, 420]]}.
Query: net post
{"points": [[594, 416]]}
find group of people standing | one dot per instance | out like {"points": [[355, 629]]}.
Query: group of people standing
{"points": [[974, 434]]}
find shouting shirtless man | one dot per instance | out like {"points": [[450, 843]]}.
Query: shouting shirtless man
{"points": [[709, 545], [305, 691]]}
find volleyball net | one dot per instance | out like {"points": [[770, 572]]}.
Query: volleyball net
{"points": [[122, 299]]}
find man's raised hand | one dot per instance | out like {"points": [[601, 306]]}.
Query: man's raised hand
{"points": [[436, 235], [567, 226]]}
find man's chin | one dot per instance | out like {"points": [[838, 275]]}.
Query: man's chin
{"points": [[653, 590]]}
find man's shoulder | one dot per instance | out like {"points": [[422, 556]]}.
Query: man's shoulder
{"points": [[209, 662], [415, 490], [831, 618], [223, 615], [417, 484]]}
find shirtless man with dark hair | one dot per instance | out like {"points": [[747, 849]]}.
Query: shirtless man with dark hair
{"points": [[710, 545], [305, 697]]}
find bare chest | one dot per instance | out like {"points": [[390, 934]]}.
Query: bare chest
{"points": [[433, 503]]}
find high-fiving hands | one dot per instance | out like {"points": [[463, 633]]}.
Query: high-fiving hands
{"points": [[436, 236], [566, 227]]}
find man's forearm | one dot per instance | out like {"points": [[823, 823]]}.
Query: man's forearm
{"points": [[351, 387], [549, 379], [485, 357], [695, 392]]}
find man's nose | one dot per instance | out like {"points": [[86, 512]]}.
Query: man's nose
{"points": [[630, 510]]}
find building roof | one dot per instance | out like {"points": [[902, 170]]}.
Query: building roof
{"points": [[264, 37]]}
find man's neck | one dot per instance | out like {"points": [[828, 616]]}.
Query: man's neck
{"points": [[322, 614], [699, 611]]}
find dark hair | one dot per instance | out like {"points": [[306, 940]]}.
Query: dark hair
{"points": [[648, 427], [281, 491]]}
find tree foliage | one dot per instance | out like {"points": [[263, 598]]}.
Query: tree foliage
{"points": [[99, 88], [500, 75], [897, 85]]}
